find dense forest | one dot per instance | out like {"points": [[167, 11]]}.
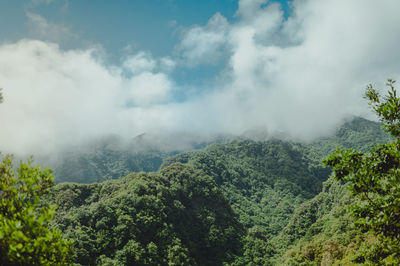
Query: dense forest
{"points": [[176, 216], [233, 202], [241, 202]]}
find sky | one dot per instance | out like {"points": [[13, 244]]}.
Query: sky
{"points": [[75, 70]]}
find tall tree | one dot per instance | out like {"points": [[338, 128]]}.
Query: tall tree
{"points": [[374, 179]]}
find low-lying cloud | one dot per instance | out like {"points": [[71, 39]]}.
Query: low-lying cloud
{"points": [[300, 76]]}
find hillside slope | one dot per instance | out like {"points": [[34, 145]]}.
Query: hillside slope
{"points": [[320, 231], [271, 192], [176, 216]]}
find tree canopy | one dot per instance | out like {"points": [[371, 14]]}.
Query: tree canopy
{"points": [[177, 216], [25, 236], [374, 179]]}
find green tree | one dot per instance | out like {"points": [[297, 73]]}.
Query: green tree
{"points": [[1, 96], [25, 236], [177, 216], [374, 179]]}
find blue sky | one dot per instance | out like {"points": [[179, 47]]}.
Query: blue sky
{"points": [[120, 26], [152, 25], [74, 70]]}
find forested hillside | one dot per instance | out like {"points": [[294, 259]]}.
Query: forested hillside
{"points": [[266, 182], [177, 216], [108, 158], [321, 231], [241, 202], [112, 157], [358, 133]]}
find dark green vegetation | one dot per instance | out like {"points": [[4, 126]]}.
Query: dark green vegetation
{"points": [[177, 216], [264, 182], [320, 232], [242, 203], [374, 179], [267, 181], [25, 237]]}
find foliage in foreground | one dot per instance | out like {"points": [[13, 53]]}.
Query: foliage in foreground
{"points": [[374, 179], [25, 236]]}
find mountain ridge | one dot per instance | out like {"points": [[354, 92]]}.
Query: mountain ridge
{"points": [[274, 188]]}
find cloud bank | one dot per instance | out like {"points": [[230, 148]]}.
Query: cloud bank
{"points": [[300, 76]]}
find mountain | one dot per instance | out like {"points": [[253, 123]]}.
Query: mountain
{"points": [[272, 194], [358, 133], [112, 157], [108, 158]]}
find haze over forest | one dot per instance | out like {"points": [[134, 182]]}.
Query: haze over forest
{"points": [[293, 68]]}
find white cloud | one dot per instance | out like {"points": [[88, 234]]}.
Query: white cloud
{"points": [[249, 8], [144, 62], [42, 29], [140, 62], [55, 97], [301, 76], [328, 51], [149, 88], [204, 45]]}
